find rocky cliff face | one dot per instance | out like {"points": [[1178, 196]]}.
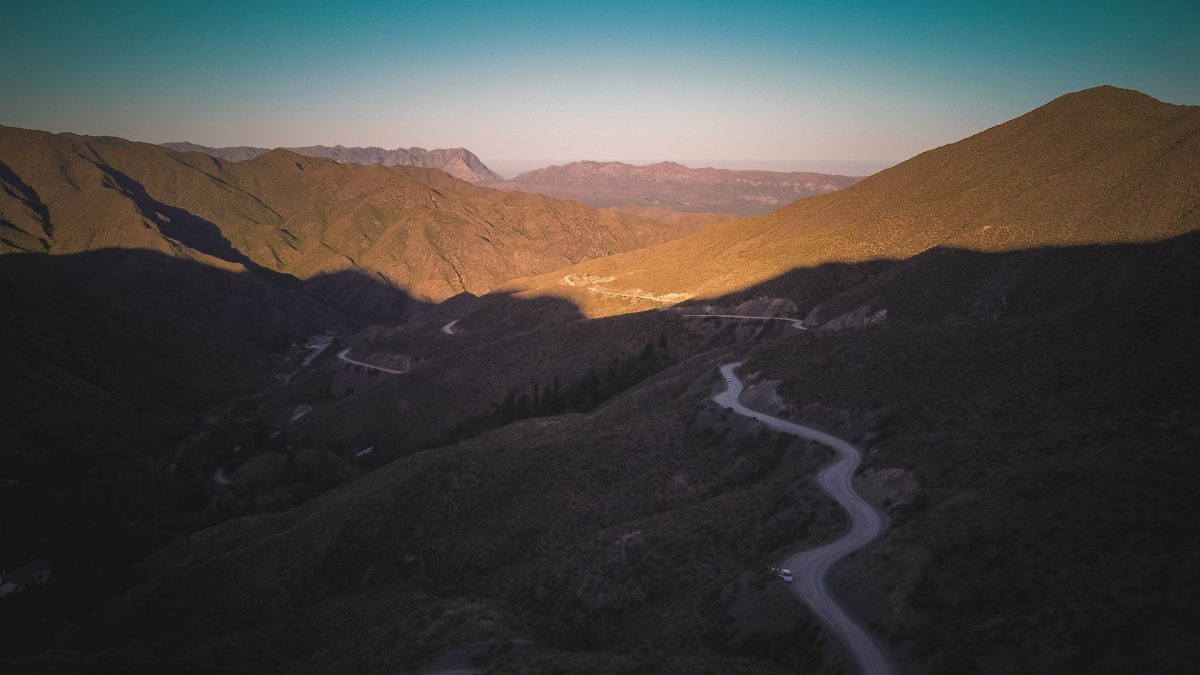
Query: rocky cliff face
{"points": [[458, 162]]}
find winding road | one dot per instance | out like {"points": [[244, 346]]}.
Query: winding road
{"points": [[342, 355], [448, 329], [796, 323], [812, 566]]}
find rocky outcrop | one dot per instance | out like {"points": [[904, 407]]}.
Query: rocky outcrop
{"points": [[458, 162]]}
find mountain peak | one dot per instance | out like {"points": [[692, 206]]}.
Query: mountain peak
{"points": [[1106, 95], [279, 157]]}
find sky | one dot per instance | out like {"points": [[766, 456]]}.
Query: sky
{"points": [[784, 85]]}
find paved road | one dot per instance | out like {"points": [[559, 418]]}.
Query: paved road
{"points": [[796, 323], [448, 329], [812, 566], [342, 355]]}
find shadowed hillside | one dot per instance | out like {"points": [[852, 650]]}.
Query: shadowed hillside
{"points": [[557, 540], [110, 359]]}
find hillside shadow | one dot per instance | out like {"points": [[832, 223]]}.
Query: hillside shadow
{"points": [[116, 322], [262, 308], [941, 287], [186, 227], [515, 341], [66, 303], [950, 285], [109, 360], [524, 344], [119, 329], [24, 193]]}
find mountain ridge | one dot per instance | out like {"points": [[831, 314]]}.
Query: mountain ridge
{"points": [[671, 184], [458, 162], [420, 229]]}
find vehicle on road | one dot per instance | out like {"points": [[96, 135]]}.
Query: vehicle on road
{"points": [[729, 379], [783, 573]]}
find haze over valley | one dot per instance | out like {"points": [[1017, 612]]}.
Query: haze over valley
{"points": [[675, 186], [271, 406]]}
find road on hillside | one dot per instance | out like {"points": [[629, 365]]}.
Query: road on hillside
{"points": [[448, 329], [810, 568], [342, 355], [796, 323]]}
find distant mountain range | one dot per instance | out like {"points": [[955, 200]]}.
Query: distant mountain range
{"points": [[605, 184], [665, 185], [458, 162]]}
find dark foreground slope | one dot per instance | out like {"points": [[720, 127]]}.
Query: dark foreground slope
{"points": [[577, 534], [1034, 465], [1037, 457], [109, 360]]}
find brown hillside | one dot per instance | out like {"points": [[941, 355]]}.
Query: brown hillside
{"points": [[1099, 166], [687, 222], [417, 229]]}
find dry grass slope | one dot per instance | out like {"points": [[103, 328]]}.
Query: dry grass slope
{"points": [[1100, 166], [420, 230]]}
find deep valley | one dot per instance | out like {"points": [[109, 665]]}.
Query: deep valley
{"points": [[265, 411]]}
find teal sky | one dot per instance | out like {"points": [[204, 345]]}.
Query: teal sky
{"points": [[785, 84]]}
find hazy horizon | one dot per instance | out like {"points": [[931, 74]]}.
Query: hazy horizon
{"points": [[511, 167], [517, 81]]}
